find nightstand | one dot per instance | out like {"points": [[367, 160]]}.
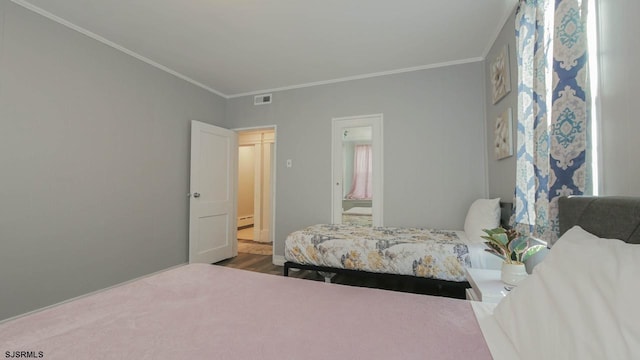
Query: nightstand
{"points": [[486, 285]]}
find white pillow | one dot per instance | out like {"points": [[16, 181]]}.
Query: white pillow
{"points": [[581, 302], [482, 214]]}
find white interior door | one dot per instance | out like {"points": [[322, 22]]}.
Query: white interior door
{"points": [[212, 210]]}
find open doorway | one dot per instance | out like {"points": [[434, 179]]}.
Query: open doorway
{"points": [[255, 190]]}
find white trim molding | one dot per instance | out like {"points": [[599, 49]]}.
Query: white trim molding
{"points": [[93, 292], [501, 24], [359, 77], [103, 40], [279, 260], [27, 5]]}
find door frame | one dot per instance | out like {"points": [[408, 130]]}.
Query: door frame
{"points": [[272, 174], [338, 125], [257, 154]]}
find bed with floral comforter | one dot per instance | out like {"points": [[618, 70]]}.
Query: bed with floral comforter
{"points": [[427, 253]]}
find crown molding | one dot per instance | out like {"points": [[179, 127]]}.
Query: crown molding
{"points": [[359, 77], [99, 38], [497, 32], [42, 12]]}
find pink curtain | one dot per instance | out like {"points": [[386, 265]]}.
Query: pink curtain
{"points": [[362, 184]]}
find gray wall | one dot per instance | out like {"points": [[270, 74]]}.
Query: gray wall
{"points": [[94, 159], [619, 79], [94, 149], [434, 158], [502, 173]]}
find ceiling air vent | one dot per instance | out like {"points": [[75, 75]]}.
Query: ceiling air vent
{"points": [[262, 99]]}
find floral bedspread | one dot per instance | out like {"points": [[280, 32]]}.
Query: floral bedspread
{"points": [[407, 251]]}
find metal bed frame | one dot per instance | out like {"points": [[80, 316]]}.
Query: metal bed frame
{"points": [[430, 285]]}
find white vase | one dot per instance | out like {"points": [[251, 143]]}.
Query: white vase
{"points": [[512, 274]]}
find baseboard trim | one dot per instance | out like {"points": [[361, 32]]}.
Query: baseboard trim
{"points": [[264, 236], [91, 293], [278, 260]]}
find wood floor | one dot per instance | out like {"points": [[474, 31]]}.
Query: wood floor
{"points": [[263, 264], [252, 262]]}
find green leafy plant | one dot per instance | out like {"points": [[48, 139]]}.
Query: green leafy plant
{"points": [[510, 245]]}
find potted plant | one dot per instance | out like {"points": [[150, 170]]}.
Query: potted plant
{"points": [[514, 249]]}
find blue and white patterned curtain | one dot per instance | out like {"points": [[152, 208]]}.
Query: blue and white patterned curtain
{"points": [[553, 116]]}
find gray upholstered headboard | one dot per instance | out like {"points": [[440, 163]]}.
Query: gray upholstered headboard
{"points": [[506, 209], [610, 217]]}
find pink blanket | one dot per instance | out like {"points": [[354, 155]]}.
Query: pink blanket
{"points": [[212, 312]]}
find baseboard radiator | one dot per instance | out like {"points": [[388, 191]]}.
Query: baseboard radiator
{"points": [[246, 220]]}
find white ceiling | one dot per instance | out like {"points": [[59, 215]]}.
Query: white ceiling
{"points": [[240, 47]]}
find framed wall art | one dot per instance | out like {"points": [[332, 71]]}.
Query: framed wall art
{"points": [[503, 135], [500, 76]]}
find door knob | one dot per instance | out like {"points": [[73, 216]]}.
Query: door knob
{"points": [[196, 195]]}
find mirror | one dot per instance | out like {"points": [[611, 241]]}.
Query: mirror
{"points": [[357, 175]]}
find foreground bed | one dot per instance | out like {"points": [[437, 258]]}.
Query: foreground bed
{"points": [[580, 303], [212, 312]]}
